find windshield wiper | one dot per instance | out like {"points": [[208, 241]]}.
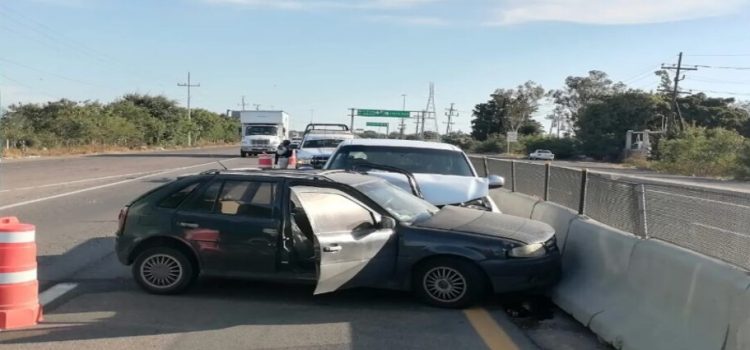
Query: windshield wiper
{"points": [[409, 176]]}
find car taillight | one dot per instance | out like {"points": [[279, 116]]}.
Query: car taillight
{"points": [[121, 220]]}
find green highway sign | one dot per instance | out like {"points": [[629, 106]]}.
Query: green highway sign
{"points": [[384, 125], [382, 113]]}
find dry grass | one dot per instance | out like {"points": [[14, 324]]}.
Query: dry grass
{"points": [[92, 149], [639, 162]]}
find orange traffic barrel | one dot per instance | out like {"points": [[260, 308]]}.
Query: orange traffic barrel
{"points": [[19, 288], [293, 160], [265, 161]]}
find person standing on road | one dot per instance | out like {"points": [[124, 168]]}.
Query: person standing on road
{"points": [[284, 152]]}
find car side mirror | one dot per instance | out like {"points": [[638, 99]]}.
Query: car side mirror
{"points": [[496, 181], [387, 222]]}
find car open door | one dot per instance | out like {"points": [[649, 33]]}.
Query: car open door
{"points": [[355, 247]]}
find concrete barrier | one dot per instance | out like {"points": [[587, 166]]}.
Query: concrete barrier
{"points": [[556, 216], [672, 298], [594, 265], [514, 203], [738, 337]]}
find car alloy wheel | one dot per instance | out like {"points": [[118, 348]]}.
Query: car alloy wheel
{"points": [[444, 284], [164, 270], [449, 282], [161, 271]]}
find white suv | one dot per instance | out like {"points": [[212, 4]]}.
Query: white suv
{"points": [[444, 173]]}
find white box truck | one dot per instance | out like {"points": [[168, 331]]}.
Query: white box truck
{"points": [[263, 131]]}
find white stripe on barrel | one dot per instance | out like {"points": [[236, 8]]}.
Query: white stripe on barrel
{"points": [[17, 237], [18, 277]]}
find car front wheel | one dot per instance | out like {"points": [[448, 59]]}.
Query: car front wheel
{"points": [[163, 270], [449, 283]]}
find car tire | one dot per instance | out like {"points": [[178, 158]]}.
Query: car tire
{"points": [[163, 270], [449, 283], [243, 154]]}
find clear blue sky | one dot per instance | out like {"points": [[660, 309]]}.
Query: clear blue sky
{"points": [[330, 55]]}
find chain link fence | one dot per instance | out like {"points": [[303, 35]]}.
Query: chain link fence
{"points": [[710, 221]]}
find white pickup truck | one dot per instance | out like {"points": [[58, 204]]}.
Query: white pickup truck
{"points": [[319, 142]]}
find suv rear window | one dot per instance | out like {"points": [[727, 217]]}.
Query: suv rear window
{"points": [[414, 160]]}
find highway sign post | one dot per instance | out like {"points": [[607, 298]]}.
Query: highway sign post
{"points": [[510, 136]]}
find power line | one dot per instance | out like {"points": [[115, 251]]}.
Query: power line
{"points": [[721, 67], [721, 55], [50, 73], [720, 92]]}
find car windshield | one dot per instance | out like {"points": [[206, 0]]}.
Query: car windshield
{"points": [[404, 206], [414, 160], [322, 143], [260, 130]]}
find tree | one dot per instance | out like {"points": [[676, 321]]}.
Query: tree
{"points": [[490, 118], [601, 126], [531, 127], [520, 103], [714, 112], [579, 92]]}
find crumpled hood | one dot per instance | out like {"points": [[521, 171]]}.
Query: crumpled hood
{"points": [[488, 223], [311, 152], [441, 189]]}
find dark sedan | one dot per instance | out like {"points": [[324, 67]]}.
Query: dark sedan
{"points": [[336, 229]]}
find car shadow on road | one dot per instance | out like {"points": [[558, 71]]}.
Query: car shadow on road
{"points": [[257, 314]]}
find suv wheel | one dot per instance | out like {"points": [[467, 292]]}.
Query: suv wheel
{"points": [[450, 283], [243, 154], [163, 271]]}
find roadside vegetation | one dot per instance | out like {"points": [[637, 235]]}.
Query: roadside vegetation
{"points": [[131, 122]]}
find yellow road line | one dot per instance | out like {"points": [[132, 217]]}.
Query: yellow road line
{"points": [[491, 333]]}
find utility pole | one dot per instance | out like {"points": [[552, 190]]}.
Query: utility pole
{"points": [[450, 122], [243, 103], [189, 85], [678, 68], [403, 120]]}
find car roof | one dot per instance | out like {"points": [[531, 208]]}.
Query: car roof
{"points": [[329, 136], [400, 143], [342, 176]]}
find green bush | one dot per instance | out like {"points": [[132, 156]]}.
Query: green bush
{"points": [[699, 151], [461, 140], [493, 144], [563, 148], [742, 171]]}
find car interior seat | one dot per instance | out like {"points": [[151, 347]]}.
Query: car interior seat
{"points": [[302, 234]]}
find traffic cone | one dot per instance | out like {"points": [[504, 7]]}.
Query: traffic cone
{"points": [[293, 160]]}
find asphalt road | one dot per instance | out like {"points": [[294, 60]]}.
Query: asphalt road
{"points": [[74, 203]]}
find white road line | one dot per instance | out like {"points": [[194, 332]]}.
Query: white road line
{"points": [[32, 201], [55, 292], [78, 181]]}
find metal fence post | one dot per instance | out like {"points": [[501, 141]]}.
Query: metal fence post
{"points": [[513, 176], [546, 181], [640, 191], [584, 183], [486, 168]]}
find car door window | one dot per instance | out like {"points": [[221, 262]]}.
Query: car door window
{"points": [[175, 199], [247, 198], [336, 213], [205, 201]]}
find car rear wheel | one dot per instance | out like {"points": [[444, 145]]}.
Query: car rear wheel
{"points": [[448, 282], [243, 154], [163, 271]]}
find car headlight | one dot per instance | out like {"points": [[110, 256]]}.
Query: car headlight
{"points": [[533, 250], [479, 203], [303, 161]]}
